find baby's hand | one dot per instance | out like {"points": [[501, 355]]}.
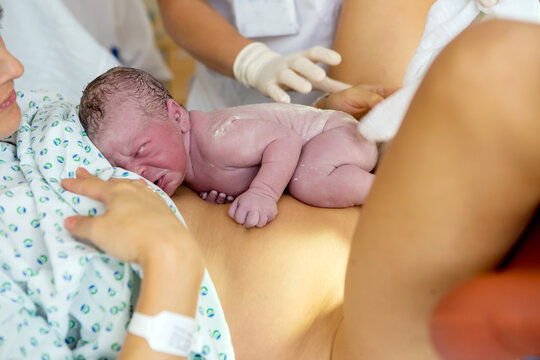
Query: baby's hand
{"points": [[252, 209], [215, 197]]}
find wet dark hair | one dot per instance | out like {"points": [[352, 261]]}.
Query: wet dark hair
{"points": [[135, 85]]}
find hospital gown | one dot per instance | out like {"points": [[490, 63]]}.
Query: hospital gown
{"points": [[61, 298]]}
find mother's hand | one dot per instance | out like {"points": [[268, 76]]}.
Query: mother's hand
{"points": [[136, 223], [356, 100]]}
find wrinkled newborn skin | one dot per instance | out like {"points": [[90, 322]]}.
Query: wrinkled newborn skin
{"points": [[251, 152]]}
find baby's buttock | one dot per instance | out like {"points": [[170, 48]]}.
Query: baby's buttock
{"points": [[325, 121]]}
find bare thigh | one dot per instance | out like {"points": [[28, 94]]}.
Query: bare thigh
{"points": [[334, 167], [454, 191]]}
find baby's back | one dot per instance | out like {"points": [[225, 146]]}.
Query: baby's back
{"points": [[305, 121], [228, 145]]}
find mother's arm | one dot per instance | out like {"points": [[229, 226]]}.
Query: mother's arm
{"points": [[139, 227]]}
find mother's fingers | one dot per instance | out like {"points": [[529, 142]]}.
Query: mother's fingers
{"points": [[80, 226], [88, 185]]}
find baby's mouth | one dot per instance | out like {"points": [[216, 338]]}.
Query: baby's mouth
{"points": [[159, 182]]}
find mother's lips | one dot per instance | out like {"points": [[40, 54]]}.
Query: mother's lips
{"points": [[9, 101]]}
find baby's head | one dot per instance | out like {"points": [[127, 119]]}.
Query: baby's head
{"points": [[133, 120]]}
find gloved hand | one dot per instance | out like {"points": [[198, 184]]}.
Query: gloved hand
{"points": [[256, 66]]}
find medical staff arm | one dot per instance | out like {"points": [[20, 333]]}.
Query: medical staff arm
{"points": [[377, 39], [212, 40], [203, 32]]}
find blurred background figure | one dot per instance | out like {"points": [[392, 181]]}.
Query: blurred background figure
{"points": [[65, 47], [56, 51], [124, 28]]}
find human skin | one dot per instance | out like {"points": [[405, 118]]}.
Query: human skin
{"points": [[202, 31], [385, 35], [281, 286], [161, 260], [251, 152], [10, 113], [156, 293], [450, 217], [356, 100], [463, 212]]}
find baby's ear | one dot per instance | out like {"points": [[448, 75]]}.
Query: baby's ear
{"points": [[179, 114]]}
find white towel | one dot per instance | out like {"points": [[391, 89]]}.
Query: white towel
{"points": [[446, 19]]}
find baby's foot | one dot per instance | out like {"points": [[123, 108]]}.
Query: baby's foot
{"points": [[216, 197]]}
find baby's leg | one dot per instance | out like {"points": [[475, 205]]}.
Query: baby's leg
{"points": [[334, 168]]}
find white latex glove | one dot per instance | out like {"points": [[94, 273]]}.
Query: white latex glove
{"points": [[256, 66]]}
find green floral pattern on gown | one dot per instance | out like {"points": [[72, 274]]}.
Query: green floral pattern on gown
{"points": [[61, 298]]}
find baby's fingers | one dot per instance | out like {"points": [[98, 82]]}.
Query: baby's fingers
{"points": [[252, 219]]}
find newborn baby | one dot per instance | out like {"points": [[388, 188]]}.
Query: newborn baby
{"points": [[251, 153]]}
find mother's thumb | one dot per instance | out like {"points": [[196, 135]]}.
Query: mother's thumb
{"points": [[79, 226]]}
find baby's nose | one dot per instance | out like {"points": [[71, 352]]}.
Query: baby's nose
{"points": [[141, 170]]}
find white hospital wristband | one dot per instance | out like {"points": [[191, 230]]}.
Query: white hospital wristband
{"points": [[165, 332]]}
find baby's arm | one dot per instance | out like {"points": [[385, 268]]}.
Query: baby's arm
{"points": [[258, 204]]}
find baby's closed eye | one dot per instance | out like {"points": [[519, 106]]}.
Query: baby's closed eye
{"points": [[140, 150]]}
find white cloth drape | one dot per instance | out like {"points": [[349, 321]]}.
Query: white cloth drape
{"points": [[446, 19]]}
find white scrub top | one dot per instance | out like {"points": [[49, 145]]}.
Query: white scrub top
{"points": [[317, 20]]}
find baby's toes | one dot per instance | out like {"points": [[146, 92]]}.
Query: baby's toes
{"points": [[221, 198], [212, 196]]}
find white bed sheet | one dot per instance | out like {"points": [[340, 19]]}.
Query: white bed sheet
{"points": [[56, 51]]}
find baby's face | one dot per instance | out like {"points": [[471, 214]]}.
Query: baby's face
{"points": [[154, 149]]}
